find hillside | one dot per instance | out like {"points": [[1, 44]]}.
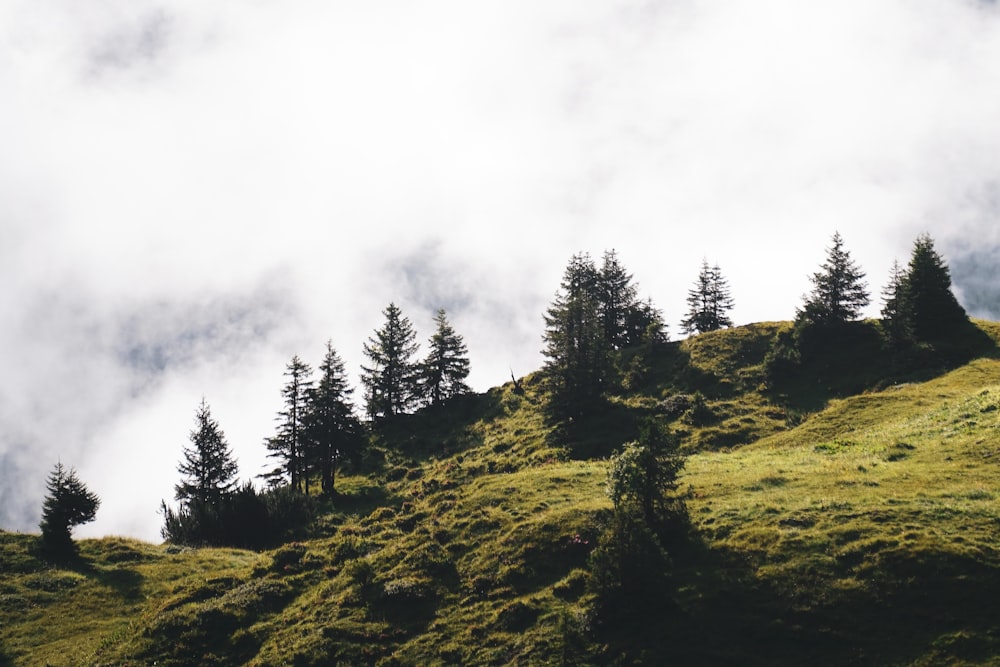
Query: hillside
{"points": [[848, 514]]}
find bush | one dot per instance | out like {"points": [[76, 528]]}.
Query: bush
{"points": [[247, 518], [630, 569]]}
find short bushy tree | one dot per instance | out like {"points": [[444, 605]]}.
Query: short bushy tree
{"points": [[69, 503], [631, 564], [642, 477]]}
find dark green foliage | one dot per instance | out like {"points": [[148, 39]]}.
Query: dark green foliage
{"points": [[207, 466], [333, 432], [642, 477], [920, 302], [444, 370], [617, 295], [69, 503], [631, 567], [289, 444], [595, 315], [246, 518], [391, 383], [895, 321], [709, 302], [839, 291], [630, 570], [578, 363]]}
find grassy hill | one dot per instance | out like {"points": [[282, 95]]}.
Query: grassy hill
{"points": [[845, 514]]}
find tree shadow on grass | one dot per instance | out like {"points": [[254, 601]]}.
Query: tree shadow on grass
{"points": [[365, 500], [124, 581], [933, 607], [855, 358]]}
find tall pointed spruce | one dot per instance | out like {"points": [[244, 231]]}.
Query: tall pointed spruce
{"points": [[617, 296], [391, 380], [930, 306], [895, 322], [577, 352], [447, 363], [334, 432], [839, 291], [288, 445], [207, 465]]}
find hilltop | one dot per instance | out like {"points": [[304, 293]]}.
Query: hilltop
{"points": [[844, 514]]}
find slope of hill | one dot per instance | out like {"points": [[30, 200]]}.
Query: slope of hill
{"points": [[843, 516]]}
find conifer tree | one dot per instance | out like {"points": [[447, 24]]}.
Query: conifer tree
{"points": [[839, 291], [930, 306], [617, 295], [894, 308], [577, 363], [208, 467], [69, 503], [334, 432], [391, 382], [447, 363], [708, 301], [289, 445]]}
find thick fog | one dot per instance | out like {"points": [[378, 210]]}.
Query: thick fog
{"points": [[192, 193]]}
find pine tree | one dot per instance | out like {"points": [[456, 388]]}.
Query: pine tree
{"points": [[895, 322], [289, 443], [577, 351], [617, 297], [334, 432], [708, 302], [930, 306], [208, 466], [391, 381], [69, 503], [447, 364], [839, 291]]}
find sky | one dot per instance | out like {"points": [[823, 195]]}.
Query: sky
{"points": [[191, 192]]}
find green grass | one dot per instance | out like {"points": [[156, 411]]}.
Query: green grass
{"points": [[845, 528]]}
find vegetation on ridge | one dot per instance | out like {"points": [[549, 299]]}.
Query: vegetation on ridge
{"points": [[815, 492], [862, 533]]}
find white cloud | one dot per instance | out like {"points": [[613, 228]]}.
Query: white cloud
{"points": [[215, 187]]}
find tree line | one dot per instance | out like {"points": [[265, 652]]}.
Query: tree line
{"points": [[596, 316], [318, 430], [597, 313]]}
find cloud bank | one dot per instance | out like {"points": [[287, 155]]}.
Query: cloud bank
{"points": [[190, 194]]}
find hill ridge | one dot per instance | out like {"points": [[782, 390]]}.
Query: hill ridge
{"points": [[863, 532]]}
